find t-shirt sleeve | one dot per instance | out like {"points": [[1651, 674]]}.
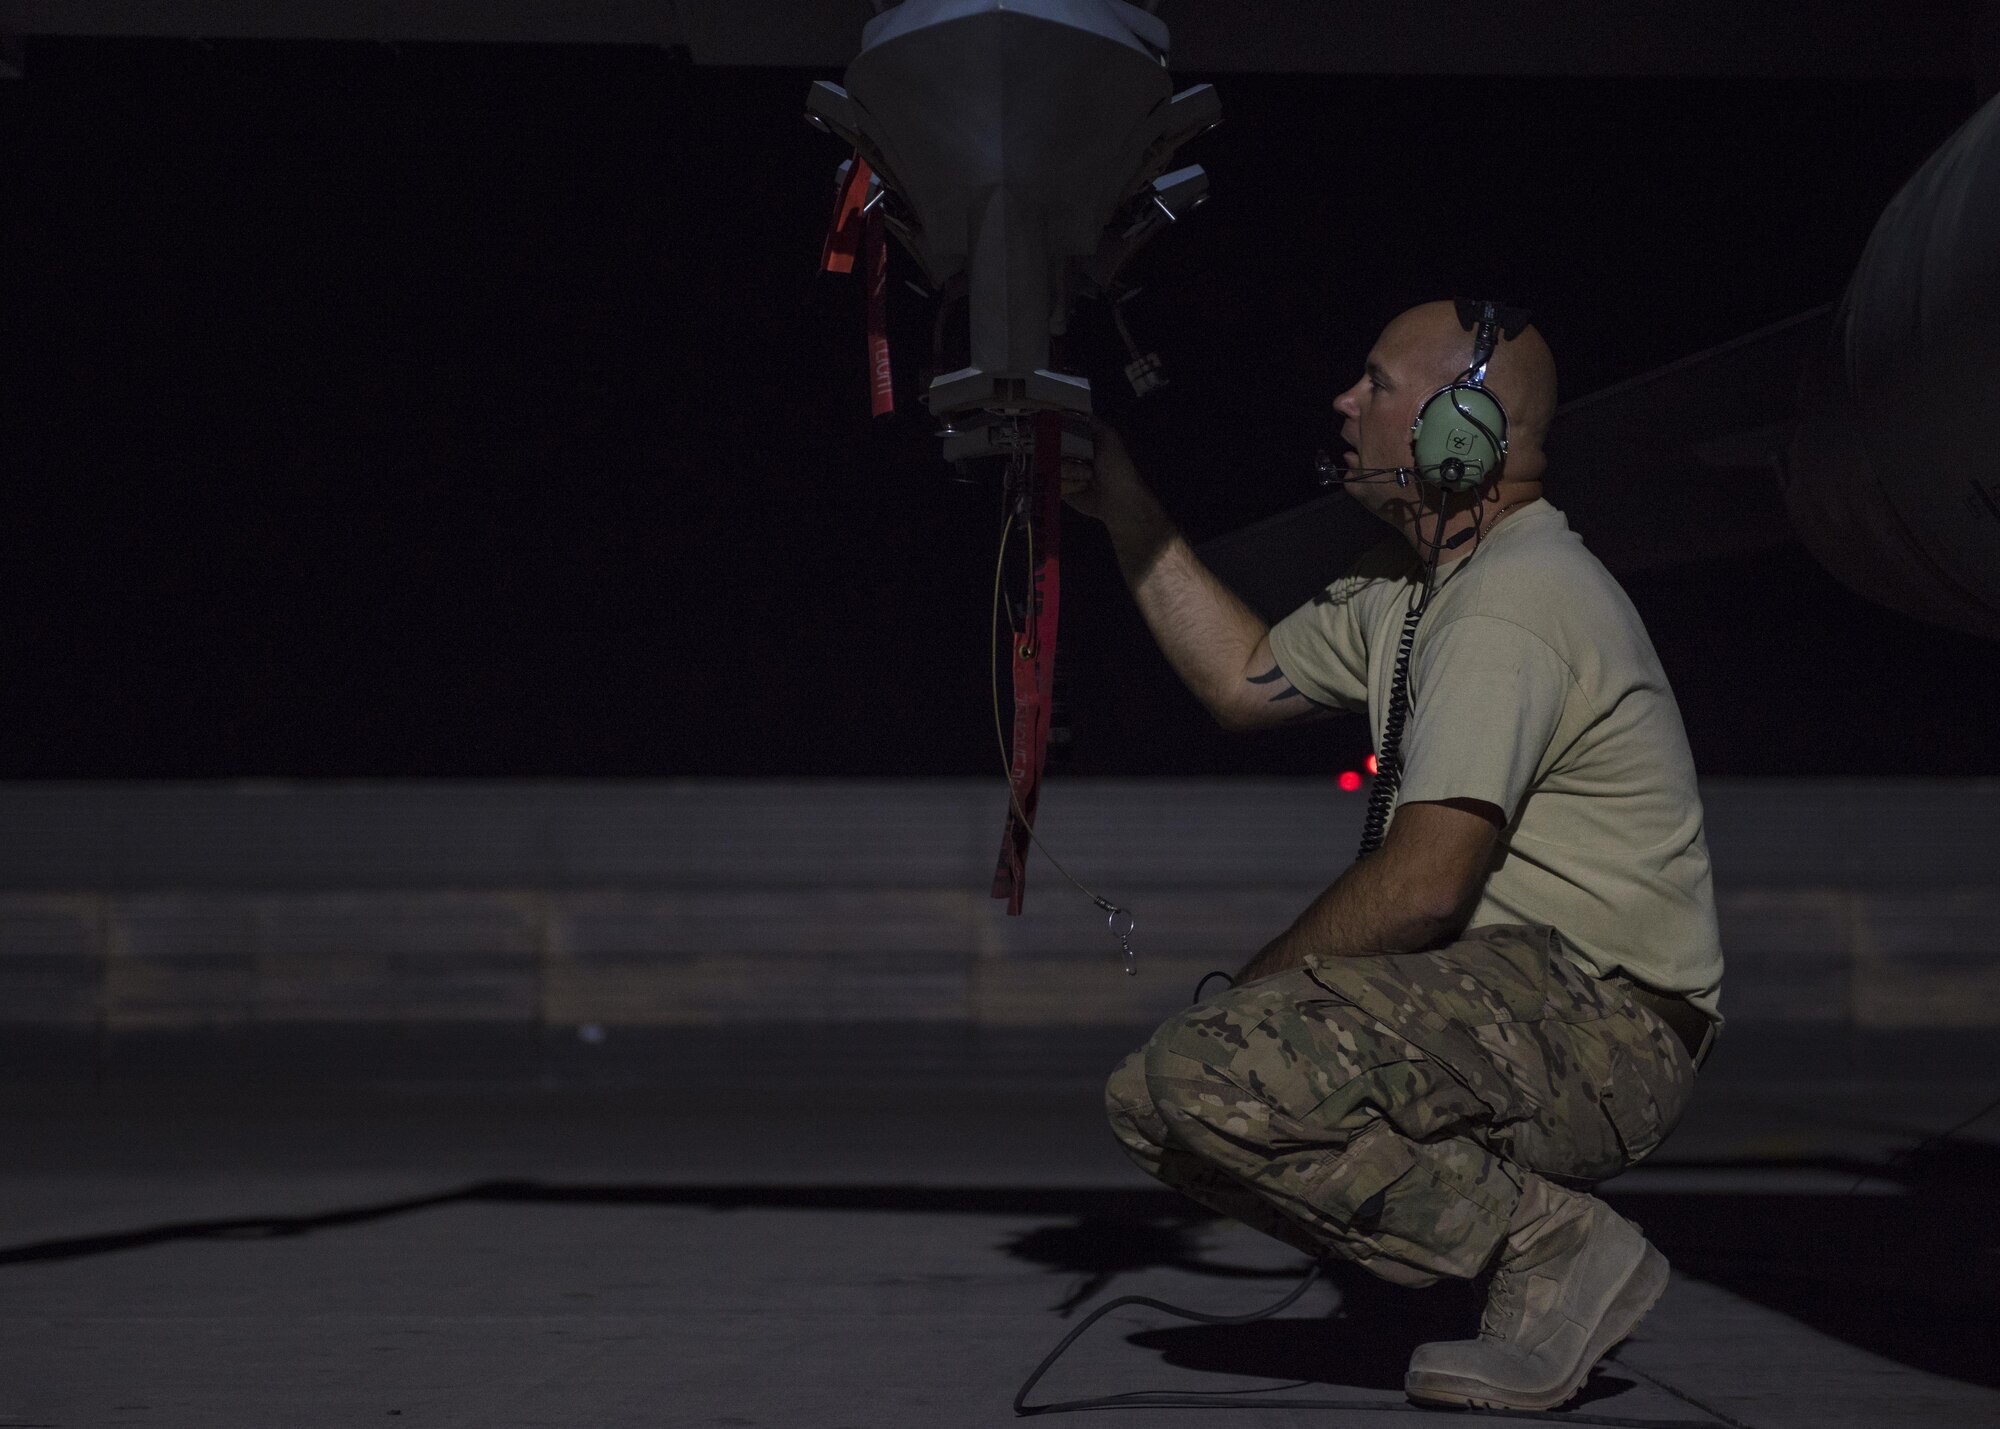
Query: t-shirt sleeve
{"points": [[1322, 646], [1486, 699]]}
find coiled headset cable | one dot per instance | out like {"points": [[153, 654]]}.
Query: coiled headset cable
{"points": [[1389, 761]]}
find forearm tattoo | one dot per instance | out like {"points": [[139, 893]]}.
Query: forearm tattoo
{"points": [[1309, 708]]}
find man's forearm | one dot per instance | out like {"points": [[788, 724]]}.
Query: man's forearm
{"points": [[1369, 909], [1205, 631], [1417, 891]]}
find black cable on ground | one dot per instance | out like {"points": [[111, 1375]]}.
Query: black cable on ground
{"points": [[1021, 1405], [1911, 1153], [1236, 1399]]}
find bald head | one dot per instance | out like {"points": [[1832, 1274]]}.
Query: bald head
{"points": [[1421, 351], [1428, 342]]}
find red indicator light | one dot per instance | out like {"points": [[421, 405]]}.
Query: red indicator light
{"points": [[1369, 764], [1349, 780]]}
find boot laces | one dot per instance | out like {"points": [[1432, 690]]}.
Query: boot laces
{"points": [[1505, 1304]]}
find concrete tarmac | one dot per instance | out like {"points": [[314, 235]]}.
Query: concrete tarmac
{"points": [[875, 1248]]}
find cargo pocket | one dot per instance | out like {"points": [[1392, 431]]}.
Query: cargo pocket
{"points": [[1374, 1161], [1441, 1001], [1388, 1209], [1633, 1111]]}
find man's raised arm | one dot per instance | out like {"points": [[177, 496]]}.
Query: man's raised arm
{"points": [[1219, 647]]}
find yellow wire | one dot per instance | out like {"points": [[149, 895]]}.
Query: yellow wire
{"points": [[999, 729], [993, 655], [1028, 630]]}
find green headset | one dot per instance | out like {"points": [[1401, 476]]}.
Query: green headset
{"points": [[1459, 438]]}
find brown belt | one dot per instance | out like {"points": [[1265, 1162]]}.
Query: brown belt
{"points": [[1689, 1022]]}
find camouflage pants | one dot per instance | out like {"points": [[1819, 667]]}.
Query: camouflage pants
{"points": [[1385, 1109]]}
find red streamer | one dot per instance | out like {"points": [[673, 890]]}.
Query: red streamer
{"points": [[1034, 661]]}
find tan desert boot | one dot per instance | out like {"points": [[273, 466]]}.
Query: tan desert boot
{"points": [[1574, 1279]]}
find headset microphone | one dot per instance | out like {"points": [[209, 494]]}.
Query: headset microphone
{"points": [[1332, 473]]}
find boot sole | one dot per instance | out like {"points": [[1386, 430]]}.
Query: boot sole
{"points": [[1638, 1295]]}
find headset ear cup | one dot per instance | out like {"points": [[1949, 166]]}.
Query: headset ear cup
{"points": [[1459, 436]]}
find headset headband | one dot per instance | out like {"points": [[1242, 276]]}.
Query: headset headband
{"points": [[1489, 323]]}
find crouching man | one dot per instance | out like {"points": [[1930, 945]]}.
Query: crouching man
{"points": [[1505, 1000]]}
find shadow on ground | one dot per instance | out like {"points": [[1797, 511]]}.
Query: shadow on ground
{"points": [[1363, 1341], [1914, 1278]]}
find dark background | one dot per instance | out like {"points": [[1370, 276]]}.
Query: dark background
{"points": [[383, 410]]}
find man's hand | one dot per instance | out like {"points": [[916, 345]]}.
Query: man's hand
{"points": [[1415, 892], [1106, 484]]}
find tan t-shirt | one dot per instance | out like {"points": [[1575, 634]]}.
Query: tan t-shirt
{"points": [[1533, 687]]}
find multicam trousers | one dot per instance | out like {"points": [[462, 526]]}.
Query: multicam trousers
{"points": [[1385, 1109]]}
